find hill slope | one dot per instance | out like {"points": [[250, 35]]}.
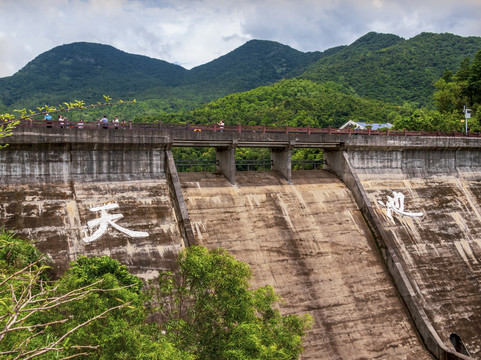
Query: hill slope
{"points": [[86, 71], [377, 66], [388, 68], [254, 64]]}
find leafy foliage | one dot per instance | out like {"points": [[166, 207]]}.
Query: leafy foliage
{"points": [[388, 68], [209, 310], [97, 309], [294, 103], [7, 124], [16, 253], [86, 312], [463, 89]]}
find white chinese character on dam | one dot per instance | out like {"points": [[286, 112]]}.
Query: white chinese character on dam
{"points": [[396, 204], [107, 219]]}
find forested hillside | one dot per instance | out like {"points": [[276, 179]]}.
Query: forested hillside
{"points": [[377, 66], [87, 71], [254, 64], [388, 68], [293, 102]]}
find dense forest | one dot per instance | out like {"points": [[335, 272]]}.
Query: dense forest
{"points": [[376, 66], [388, 68]]}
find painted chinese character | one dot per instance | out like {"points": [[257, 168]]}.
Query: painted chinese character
{"points": [[396, 204], [107, 219]]}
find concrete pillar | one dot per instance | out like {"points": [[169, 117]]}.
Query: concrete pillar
{"points": [[281, 161], [225, 161]]}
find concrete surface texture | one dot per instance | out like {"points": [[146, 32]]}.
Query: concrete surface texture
{"points": [[441, 250], [52, 180], [56, 215], [310, 242], [77, 192]]}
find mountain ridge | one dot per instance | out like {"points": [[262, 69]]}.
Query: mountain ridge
{"points": [[400, 72], [379, 66]]}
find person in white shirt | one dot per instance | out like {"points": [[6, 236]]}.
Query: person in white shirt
{"points": [[116, 122]]}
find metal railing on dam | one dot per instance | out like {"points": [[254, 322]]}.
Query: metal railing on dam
{"points": [[237, 136], [240, 128]]}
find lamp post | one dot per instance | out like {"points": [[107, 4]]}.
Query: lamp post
{"points": [[467, 115]]}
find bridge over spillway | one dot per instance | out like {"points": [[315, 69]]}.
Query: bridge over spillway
{"points": [[315, 236]]}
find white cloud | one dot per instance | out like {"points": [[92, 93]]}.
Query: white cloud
{"points": [[193, 32]]}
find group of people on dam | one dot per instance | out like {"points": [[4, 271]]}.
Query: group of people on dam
{"points": [[62, 122]]}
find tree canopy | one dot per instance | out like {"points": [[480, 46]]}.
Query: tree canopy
{"points": [[98, 309], [459, 90]]}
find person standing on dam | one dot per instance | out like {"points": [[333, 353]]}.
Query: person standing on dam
{"points": [[105, 122], [48, 119], [221, 125]]}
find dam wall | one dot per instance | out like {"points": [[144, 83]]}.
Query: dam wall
{"points": [[423, 207], [382, 248], [53, 183], [311, 243]]}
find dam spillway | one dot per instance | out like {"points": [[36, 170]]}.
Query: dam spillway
{"points": [[310, 242]]}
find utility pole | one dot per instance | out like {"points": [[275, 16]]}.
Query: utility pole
{"points": [[467, 115]]}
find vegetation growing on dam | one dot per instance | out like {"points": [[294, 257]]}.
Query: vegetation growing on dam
{"points": [[98, 309]]}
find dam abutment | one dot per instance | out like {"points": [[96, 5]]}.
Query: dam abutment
{"points": [[339, 163]]}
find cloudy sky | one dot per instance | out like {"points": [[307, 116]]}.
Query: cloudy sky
{"points": [[193, 32]]}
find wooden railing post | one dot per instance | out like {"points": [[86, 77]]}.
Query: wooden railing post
{"points": [[263, 129], [239, 127], [309, 130]]}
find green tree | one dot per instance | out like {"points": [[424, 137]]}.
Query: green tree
{"points": [[449, 96], [94, 310], [7, 124], [473, 87], [455, 92], [208, 310], [97, 310], [33, 308]]}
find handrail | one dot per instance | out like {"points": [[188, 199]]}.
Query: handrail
{"points": [[238, 128]]}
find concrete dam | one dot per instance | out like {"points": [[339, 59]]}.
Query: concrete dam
{"points": [[382, 248]]}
